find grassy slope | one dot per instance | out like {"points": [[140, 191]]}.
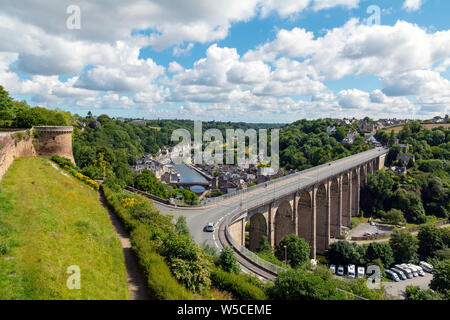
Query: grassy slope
{"points": [[50, 222]]}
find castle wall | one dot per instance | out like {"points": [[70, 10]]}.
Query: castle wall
{"points": [[55, 141], [12, 148], [49, 141]]}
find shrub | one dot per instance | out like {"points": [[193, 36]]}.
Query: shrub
{"points": [[393, 216], [228, 261], [239, 285], [4, 248], [298, 284]]}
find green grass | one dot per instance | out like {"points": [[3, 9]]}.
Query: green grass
{"points": [[49, 222]]}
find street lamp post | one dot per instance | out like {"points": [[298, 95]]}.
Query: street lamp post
{"points": [[285, 257]]}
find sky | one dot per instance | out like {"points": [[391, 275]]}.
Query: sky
{"points": [[236, 60]]}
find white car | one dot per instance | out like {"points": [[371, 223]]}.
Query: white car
{"points": [[210, 227], [351, 270], [361, 272], [340, 271], [333, 268]]}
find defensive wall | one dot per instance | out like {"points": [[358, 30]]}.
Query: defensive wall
{"points": [[37, 141]]}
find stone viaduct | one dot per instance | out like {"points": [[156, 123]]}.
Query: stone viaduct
{"points": [[315, 212]]}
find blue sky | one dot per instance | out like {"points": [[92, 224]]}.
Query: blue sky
{"points": [[256, 61]]}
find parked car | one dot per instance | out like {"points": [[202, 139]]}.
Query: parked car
{"points": [[426, 266], [406, 271], [210, 227], [333, 269], [351, 270], [361, 272], [340, 271], [400, 273], [392, 275], [417, 269]]}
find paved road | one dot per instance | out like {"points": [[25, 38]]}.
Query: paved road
{"points": [[197, 218]]}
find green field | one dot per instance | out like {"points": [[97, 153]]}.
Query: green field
{"points": [[48, 222]]}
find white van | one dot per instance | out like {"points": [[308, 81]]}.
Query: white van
{"points": [[426, 266], [340, 271], [417, 268], [413, 270], [351, 270], [333, 269], [408, 273], [361, 272]]}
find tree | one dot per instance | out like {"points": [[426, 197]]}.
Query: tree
{"points": [[415, 293], [430, 240], [6, 105], [404, 246], [228, 261], [298, 250], [393, 216], [181, 226], [441, 278], [380, 251], [298, 284], [343, 252], [377, 191], [411, 204]]}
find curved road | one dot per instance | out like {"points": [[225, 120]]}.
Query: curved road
{"points": [[198, 217]]}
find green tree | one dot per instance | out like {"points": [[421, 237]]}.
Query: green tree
{"points": [[181, 226], [228, 261], [381, 251], [430, 240], [441, 278], [298, 284], [393, 216], [404, 246], [297, 249], [6, 105], [415, 293], [343, 252]]}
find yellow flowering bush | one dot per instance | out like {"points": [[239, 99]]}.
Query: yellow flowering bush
{"points": [[128, 202]]}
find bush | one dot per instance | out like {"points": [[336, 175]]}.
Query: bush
{"points": [[228, 261], [298, 284], [238, 285], [63, 162], [393, 216], [415, 293]]}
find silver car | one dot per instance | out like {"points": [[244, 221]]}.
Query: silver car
{"points": [[210, 227]]}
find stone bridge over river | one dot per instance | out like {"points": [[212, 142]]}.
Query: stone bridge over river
{"points": [[314, 204]]}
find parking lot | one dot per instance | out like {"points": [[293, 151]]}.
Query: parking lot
{"points": [[397, 289], [363, 228]]}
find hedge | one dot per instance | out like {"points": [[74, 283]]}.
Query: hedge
{"points": [[160, 281], [67, 165], [238, 285]]}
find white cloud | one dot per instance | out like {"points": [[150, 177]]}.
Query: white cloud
{"points": [[326, 4], [412, 5]]}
